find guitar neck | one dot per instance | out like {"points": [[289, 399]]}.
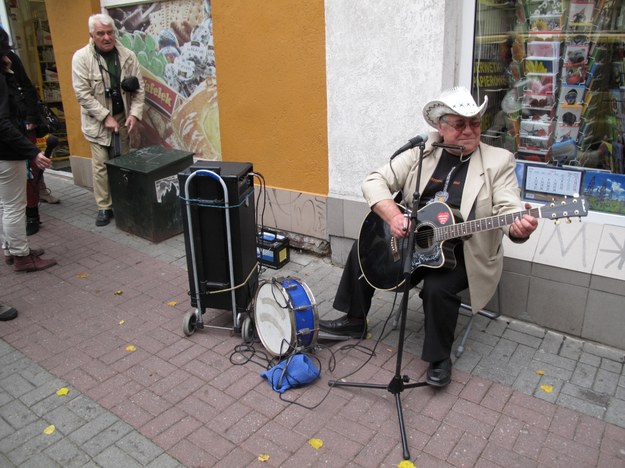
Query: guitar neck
{"points": [[484, 224]]}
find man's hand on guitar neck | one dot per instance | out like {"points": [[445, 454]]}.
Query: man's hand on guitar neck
{"points": [[394, 217], [522, 227]]}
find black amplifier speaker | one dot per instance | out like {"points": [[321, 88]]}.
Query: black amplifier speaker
{"points": [[208, 230]]}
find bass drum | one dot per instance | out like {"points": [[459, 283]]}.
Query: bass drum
{"points": [[285, 315]]}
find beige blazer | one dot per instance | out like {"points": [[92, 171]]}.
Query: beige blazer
{"points": [[90, 85], [491, 185]]}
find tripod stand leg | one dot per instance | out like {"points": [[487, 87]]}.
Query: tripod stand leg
{"points": [[402, 427]]}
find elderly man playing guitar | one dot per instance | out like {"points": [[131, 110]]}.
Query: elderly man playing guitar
{"points": [[459, 173]]}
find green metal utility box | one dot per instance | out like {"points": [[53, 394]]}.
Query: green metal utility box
{"points": [[145, 191]]}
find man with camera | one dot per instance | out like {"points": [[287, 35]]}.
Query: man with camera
{"points": [[109, 88]]}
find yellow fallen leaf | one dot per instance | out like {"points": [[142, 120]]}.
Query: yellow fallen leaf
{"points": [[121, 322], [547, 388], [62, 391], [369, 335], [263, 457], [540, 372], [406, 464], [172, 303], [82, 275], [130, 348], [118, 292], [49, 430], [316, 443]]}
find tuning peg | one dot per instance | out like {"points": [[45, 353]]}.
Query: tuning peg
{"points": [[557, 222], [568, 220]]}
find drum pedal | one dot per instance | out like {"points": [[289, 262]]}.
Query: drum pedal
{"points": [[330, 336]]}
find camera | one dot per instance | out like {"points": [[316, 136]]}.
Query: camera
{"points": [[116, 97], [130, 84]]}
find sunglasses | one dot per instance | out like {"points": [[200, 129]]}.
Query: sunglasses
{"points": [[460, 125]]}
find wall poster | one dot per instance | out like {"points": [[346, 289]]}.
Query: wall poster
{"points": [[173, 41]]}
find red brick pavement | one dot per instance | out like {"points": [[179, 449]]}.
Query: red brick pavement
{"points": [[185, 394]]}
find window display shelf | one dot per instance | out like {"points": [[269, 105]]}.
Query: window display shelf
{"points": [[554, 72], [48, 79]]}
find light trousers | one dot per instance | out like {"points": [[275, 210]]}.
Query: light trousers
{"points": [[99, 155], [13, 203]]}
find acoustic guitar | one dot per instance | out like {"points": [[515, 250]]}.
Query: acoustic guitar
{"points": [[382, 256]]}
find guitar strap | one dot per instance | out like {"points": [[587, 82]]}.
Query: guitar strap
{"points": [[443, 195]]}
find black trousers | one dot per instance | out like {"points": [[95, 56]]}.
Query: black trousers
{"points": [[439, 293]]}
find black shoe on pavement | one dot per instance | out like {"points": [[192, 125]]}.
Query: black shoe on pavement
{"points": [[32, 225], [439, 373], [344, 326], [104, 217], [7, 313]]}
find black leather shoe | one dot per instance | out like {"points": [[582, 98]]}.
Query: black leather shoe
{"points": [[7, 313], [344, 326], [32, 225], [104, 217], [439, 373]]}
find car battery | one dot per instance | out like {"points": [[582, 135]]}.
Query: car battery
{"points": [[272, 249]]}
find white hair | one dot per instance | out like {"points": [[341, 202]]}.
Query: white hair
{"points": [[102, 18]]}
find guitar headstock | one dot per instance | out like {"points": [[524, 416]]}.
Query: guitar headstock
{"points": [[566, 208]]}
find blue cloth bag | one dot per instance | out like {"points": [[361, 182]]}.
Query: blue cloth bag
{"points": [[295, 371]]}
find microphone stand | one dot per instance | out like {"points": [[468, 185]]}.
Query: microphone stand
{"points": [[399, 383]]}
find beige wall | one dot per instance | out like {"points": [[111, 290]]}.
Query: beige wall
{"points": [[68, 27]]}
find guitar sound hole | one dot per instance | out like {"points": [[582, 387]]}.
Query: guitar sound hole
{"points": [[424, 236]]}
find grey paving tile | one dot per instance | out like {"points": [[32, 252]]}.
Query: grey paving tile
{"points": [[552, 343], [612, 366], [584, 375], [114, 457], [15, 385], [572, 348], [67, 454], [85, 408], [605, 382], [40, 460], [527, 381], [140, 448], [615, 413], [34, 446], [17, 414], [105, 438], [555, 360]]}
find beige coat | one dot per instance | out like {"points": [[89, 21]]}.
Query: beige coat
{"points": [[90, 91], [491, 185]]}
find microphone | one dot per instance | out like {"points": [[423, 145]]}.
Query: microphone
{"points": [[416, 141], [51, 143]]}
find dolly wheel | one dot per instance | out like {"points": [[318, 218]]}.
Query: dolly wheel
{"points": [[246, 330], [188, 323]]}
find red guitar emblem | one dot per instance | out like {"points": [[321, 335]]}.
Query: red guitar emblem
{"points": [[443, 217]]}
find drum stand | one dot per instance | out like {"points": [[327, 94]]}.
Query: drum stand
{"points": [[399, 383]]}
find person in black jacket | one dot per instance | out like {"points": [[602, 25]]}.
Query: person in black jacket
{"points": [[28, 121], [15, 150]]}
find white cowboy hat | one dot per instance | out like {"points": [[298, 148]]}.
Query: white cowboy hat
{"points": [[457, 101]]}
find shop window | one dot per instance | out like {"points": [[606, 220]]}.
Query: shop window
{"points": [[554, 73]]}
